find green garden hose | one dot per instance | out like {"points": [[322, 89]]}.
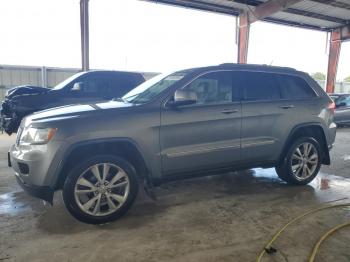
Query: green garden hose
{"points": [[268, 247], [320, 241]]}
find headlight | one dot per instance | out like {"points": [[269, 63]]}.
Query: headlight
{"points": [[36, 136]]}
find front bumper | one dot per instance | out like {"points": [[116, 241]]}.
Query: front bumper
{"points": [[35, 168], [42, 192]]}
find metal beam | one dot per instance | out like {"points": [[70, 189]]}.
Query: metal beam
{"points": [[199, 5], [204, 6], [333, 3], [268, 8], [262, 11], [84, 29], [243, 38], [333, 59]]}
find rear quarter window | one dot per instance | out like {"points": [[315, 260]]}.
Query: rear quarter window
{"points": [[294, 87], [258, 86]]}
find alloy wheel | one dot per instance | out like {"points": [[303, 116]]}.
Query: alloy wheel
{"points": [[102, 189], [304, 161]]}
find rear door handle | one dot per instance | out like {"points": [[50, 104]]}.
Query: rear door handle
{"points": [[229, 111], [287, 106]]}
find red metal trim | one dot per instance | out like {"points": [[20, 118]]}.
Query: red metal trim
{"points": [[333, 59], [243, 38]]}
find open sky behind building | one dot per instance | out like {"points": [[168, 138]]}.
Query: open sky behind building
{"points": [[140, 36]]}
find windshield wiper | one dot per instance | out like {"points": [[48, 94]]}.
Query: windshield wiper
{"points": [[126, 98]]}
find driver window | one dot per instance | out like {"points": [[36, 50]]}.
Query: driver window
{"points": [[212, 88]]}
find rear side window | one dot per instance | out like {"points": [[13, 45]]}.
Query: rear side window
{"points": [[126, 80], [120, 83], [294, 87], [258, 86]]}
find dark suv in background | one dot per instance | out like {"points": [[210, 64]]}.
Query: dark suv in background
{"points": [[84, 87], [193, 122]]}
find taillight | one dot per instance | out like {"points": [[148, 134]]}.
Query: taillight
{"points": [[331, 106]]}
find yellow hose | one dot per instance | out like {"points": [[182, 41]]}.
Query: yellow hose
{"points": [[275, 236], [320, 241]]}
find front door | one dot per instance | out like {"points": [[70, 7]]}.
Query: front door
{"points": [[206, 134]]}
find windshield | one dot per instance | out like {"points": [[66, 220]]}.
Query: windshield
{"points": [[67, 81], [153, 87]]}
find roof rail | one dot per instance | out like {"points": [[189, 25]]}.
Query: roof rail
{"points": [[257, 66]]}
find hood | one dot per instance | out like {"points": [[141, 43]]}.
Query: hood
{"points": [[26, 90], [73, 111]]}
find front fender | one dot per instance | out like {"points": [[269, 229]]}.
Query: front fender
{"points": [[62, 168]]}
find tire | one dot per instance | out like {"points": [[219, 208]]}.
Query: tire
{"points": [[97, 201], [292, 170]]}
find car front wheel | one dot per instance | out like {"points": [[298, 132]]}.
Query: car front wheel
{"points": [[302, 162], [100, 189]]}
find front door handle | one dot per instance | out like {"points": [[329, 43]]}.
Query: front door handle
{"points": [[287, 106], [229, 111]]}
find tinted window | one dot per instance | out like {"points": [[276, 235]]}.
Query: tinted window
{"points": [[347, 101], [258, 86], [125, 81], [342, 99], [95, 85], [294, 87], [213, 88]]}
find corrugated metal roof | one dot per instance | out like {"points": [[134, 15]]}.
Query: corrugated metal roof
{"points": [[316, 14]]}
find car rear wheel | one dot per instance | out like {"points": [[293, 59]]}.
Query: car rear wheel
{"points": [[301, 163], [100, 189]]}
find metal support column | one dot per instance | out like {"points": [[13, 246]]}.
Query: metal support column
{"points": [[243, 38], [84, 28], [43, 76], [333, 59]]}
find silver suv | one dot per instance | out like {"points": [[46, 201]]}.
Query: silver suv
{"points": [[193, 122]]}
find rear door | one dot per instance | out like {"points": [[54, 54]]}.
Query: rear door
{"points": [[206, 134], [272, 105], [265, 115]]}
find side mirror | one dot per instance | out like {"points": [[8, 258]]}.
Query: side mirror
{"points": [[77, 86], [341, 104], [184, 97]]}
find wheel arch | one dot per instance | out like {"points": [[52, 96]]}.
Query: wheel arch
{"points": [[123, 147], [314, 130]]}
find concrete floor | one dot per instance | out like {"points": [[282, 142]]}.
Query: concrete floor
{"points": [[222, 218]]}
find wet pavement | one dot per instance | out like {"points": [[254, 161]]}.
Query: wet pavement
{"points": [[220, 218]]}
